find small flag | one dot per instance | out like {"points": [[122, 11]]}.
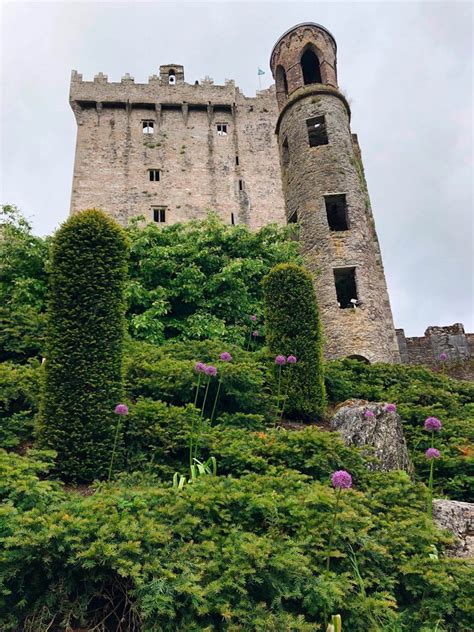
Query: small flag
{"points": [[260, 72]]}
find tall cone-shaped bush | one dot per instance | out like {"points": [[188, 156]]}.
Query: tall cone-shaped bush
{"points": [[293, 327], [85, 331]]}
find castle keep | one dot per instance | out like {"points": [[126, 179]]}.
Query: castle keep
{"points": [[171, 151]]}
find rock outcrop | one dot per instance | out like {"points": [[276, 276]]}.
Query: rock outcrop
{"points": [[371, 426], [457, 517]]}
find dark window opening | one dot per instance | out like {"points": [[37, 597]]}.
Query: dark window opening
{"points": [[172, 77], [317, 133], [148, 127], [336, 212], [293, 219], [237, 161], [154, 175], [221, 129], [159, 215], [359, 358], [241, 185], [281, 81], [285, 153], [310, 67], [346, 288], [232, 220]]}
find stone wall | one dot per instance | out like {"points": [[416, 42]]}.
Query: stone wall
{"points": [[237, 174]]}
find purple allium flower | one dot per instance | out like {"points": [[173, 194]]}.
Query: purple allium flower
{"points": [[341, 479], [121, 409], [200, 367], [433, 424], [280, 359], [291, 359], [443, 357], [432, 453], [253, 318], [368, 413], [226, 357], [255, 333], [391, 408], [210, 370]]}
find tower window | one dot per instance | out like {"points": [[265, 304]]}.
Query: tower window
{"points": [[336, 212], [310, 67], [154, 175], [236, 161], [281, 82], [148, 127], [317, 133], [232, 219], [285, 153], [172, 77], [293, 219], [221, 129], [241, 185], [159, 214], [346, 288]]}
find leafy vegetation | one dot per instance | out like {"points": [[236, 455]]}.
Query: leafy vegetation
{"points": [[86, 325], [241, 551], [293, 327]]}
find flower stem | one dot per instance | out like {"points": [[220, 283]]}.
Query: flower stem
{"points": [[197, 390], [331, 533], [215, 401], [249, 340], [196, 445], [429, 506], [114, 449], [284, 400]]}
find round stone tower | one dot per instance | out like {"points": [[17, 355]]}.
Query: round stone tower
{"points": [[326, 194]]}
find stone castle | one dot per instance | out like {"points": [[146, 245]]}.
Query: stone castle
{"points": [[170, 151]]}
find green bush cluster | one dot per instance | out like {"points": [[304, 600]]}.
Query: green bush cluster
{"points": [[293, 327], [418, 394], [236, 554], [86, 326]]}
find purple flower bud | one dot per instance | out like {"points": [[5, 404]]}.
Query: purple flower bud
{"points": [[291, 359], [368, 413], [121, 409], [432, 453], [433, 424], [280, 359], [255, 333], [211, 370], [200, 367], [226, 357], [443, 357], [391, 408], [253, 318], [341, 479]]}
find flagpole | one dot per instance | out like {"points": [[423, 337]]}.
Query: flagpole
{"points": [[259, 80]]}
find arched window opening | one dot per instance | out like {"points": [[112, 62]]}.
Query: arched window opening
{"points": [[281, 82], [359, 358], [310, 67], [172, 77]]}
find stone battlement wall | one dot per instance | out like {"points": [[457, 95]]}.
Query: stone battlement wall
{"points": [[451, 340]]}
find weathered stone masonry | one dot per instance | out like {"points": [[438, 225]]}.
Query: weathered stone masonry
{"points": [[171, 151]]}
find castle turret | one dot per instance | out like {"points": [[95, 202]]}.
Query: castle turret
{"points": [[326, 194]]}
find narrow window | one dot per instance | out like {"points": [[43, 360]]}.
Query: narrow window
{"points": [[222, 129], [232, 220], [285, 153], [310, 67], [241, 185], [159, 214], [148, 127], [317, 134], [281, 82], [172, 77], [154, 175], [346, 289], [237, 161], [336, 212], [293, 219]]}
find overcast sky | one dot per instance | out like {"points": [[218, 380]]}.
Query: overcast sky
{"points": [[407, 68]]}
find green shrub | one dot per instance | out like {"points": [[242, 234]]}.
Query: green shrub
{"points": [[19, 399], [83, 370], [237, 554], [419, 394], [293, 327]]}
